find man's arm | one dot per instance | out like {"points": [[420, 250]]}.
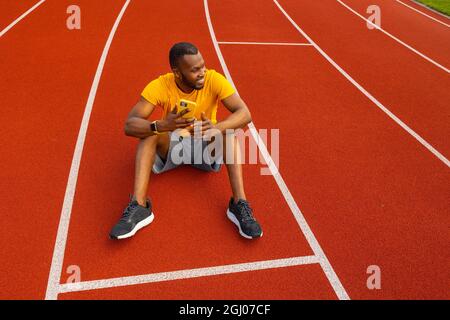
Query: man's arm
{"points": [[138, 126], [240, 114]]}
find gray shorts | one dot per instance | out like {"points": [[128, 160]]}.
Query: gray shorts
{"points": [[188, 151]]}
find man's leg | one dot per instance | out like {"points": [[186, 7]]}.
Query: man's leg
{"points": [[235, 168], [239, 210], [138, 213], [145, 157]]}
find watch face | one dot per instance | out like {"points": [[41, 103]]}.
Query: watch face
{"points": [[153, 126]]}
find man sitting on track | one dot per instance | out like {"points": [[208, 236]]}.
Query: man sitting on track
{"points": [[162, 141]]}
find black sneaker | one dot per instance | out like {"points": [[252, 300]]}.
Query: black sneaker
{"points": [[134, 217], [241, 215]]}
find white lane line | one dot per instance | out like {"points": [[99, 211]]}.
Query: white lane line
{"points": [[312, 241], [20, 18], [266, 43], [187, 274], [395, 38], [431, 9], [366, 93], [63, 228], [423, 13]]}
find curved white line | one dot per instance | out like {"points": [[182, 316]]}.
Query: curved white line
{"points": [[395, 38], [312, 241], [423, 13], [63, 228], [366, 93], [20, 18]]}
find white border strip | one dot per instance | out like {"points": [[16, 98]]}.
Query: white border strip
{"points": [[20, 18], [423, 13], [63, 228], [186, 274], [395, 38], [430, 9], [312, 241], [366, 93], [266, 43]]}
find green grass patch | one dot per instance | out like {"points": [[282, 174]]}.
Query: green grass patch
{"points": [[439, 5]]}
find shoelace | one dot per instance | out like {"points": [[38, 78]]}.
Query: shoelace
{"points": [[245, 210], [126, 214]]}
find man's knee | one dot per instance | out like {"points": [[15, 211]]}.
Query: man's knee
{"points": [[147, 145]]}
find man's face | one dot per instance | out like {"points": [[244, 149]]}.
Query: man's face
{"points": [[191, 69]]}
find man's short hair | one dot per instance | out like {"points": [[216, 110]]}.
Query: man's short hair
{"points": [[179, 50]]}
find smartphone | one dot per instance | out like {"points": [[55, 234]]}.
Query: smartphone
{"points": [[186, 104]]}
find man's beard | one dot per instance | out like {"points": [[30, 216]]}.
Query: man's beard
{"points": [[191, 85]]}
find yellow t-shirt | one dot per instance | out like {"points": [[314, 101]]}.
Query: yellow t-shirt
{"points": [[164, 92]]}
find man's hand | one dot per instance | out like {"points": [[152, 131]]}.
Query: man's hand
{"points": [[205, 128], [175, 121]]}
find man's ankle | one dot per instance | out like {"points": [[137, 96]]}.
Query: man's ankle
{"points": [[141, 201], [236, 199]]}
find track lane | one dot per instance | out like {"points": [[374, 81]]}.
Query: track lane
{"points": [[46, 73], [409, 86], [420, 32], [182, 236], [253, 23], [425, 11]]}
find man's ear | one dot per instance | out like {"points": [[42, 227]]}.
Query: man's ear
{"points": [[176, 72]]}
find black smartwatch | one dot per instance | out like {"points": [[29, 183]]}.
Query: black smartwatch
{"points": [[154, 128]]}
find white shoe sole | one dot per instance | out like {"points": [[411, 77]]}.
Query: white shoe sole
{"points": [[233, 219], [139, 226]]}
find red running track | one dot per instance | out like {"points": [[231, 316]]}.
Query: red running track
{"points": [[10, 10], [357, 175], [370, 192], [190, 230], [46, 76]]}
